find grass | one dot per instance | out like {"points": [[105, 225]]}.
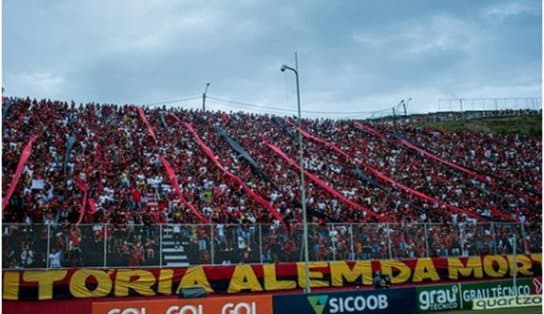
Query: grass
{"points": [[530, 126], [517, 310]]}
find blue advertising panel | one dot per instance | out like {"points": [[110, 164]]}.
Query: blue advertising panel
{"points": [[383, 301]]}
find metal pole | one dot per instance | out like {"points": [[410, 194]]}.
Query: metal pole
{"points": [[462, 236], [307, 289], [514, 266], [160, 245], [352, 244], [105, 244], [48, 245], [494, 238], [260, 243], [212, 242], [302, 187], [524, 238], [388, 230], [204, 97], [426, 240]]}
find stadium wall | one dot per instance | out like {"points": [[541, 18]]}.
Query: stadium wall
{"points": [[420, 299], [84, 283]]}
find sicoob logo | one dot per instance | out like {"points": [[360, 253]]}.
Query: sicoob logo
{"points": [[318, 303]]}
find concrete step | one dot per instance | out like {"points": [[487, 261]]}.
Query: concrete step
{"points": [[177, 264], [173, 250], [175, 257]]}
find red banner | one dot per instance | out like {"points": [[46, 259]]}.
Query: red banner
{"points": [[144, 119], [258, 198], [324, 185], [319, 140], [243, 278], [451, 164], [83, 187], [382, 176], [20, 167], [422, 151], [174, 182]]}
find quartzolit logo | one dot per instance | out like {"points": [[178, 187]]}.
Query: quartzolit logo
{"points": [[318, 302], [537, 286], [439, 298]]}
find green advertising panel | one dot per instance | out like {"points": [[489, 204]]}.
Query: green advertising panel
{"points": [[493, 289], [438, 298]]}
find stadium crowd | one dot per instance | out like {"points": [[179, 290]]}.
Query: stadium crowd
{"points": [[114, 171]]}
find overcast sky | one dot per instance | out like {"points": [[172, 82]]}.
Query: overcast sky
{"points": [[353, 55]]}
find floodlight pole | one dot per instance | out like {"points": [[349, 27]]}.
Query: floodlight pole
{"points": [[405, 104], [307, 288], [204, 97]]}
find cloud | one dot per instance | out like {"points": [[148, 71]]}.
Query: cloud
{"points": [[435, 34], [360, 56], [511, 9], [37, 84]]}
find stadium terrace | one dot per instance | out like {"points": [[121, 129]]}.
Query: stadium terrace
{"points": [[78, 176]]}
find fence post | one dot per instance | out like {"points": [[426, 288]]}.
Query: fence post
{"points": [[48, 245], [515, 265], [494, 238], [427, 254], [462, 237], [525, 250], [388, 229], [352, 244], [301, 255], [212, 241], [105, 244], [260, 243], [160, 245]]}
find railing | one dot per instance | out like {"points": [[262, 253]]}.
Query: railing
{"points": [[444, 116], [99, 245], [489, 103]]}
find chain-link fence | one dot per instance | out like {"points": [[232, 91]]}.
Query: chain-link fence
{"points": [[171, 245]]}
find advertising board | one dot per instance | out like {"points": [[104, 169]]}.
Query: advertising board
{"points": [[260, 304], [356, 301], [536, 287], [438, 298], [507, 302], [493, 289]]}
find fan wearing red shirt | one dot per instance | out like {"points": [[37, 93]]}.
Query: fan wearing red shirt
{"points": [[75, 241]]}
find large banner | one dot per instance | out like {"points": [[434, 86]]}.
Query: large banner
{"points": [[357, 301], [96, 283]]}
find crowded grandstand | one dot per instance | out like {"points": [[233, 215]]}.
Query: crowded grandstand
{"points": [[121, 185]]}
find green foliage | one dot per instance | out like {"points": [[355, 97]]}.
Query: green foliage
{"points": [[526, 126]]}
